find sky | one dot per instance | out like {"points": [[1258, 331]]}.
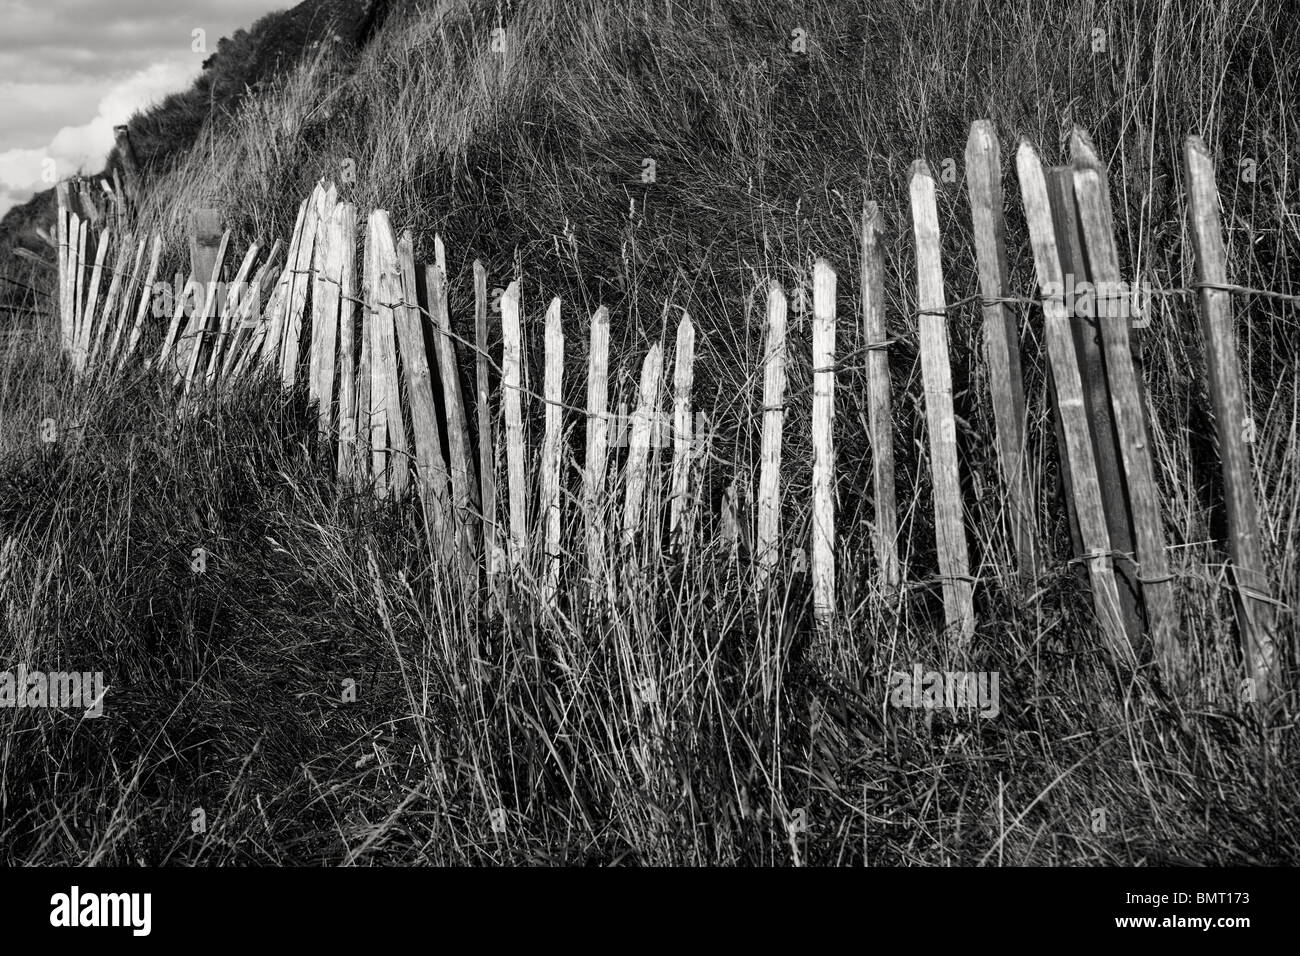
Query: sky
{"points": [[70, 70]]}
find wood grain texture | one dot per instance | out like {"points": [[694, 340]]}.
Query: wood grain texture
{"points": [[1093, 198], [767, 544], [936, 374], [552, 437], [511, 400], [1001, 342], [681, 507], [823, 439], [486, 441], [1070, 403], [1096, 396], [1256, 614], [880, 424], [638, 443], [349, 426], [594, 492]]}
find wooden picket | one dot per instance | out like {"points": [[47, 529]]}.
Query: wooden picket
{"points": [[1070, 402], [399, 264], [392, 470], [511, 400], [549, 506], [464, 486], [597, 449], [936, 373], [679, 502], [1256, 609], [1101, 422], [1001, 341], [767, 545], [1129, 414], [81, 350], [640, 434], [823, 425], [345, 237], [487, 474], [880, 424]]}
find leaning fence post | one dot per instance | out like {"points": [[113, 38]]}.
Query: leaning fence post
{"points": [[1256, 615], [823, 424], [1092, 374], [949, 524], [1070, 402], [1126, 402], [1001, 340]]}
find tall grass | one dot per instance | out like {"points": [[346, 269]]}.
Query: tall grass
{"points": [[685, 721]]}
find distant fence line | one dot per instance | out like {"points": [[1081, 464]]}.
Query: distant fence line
{"points": [[349, 335]]}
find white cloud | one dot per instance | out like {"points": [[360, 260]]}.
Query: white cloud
{"points": [[85, 147]]}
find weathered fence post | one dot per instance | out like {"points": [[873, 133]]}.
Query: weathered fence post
{"points": [[299, 282], [130, 164], [597, 454], [62, 229], [767, 546], [1092, 374], [553, 393], [880, 423], [823, 438], [638, 449], [463, 482], [949, 525], [345, 237], [326, 293], [1070, 402], [1001, 340], [680, 508], [1114, 319], [511, 399], [487, 475], [1256, 615], [388, 437]]}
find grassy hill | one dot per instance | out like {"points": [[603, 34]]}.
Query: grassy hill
{"points": [[767, 124]]}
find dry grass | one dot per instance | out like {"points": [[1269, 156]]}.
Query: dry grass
{"points": [[227, 685]]}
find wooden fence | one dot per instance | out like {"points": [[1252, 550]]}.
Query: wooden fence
{"points": [[362, 347]]}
